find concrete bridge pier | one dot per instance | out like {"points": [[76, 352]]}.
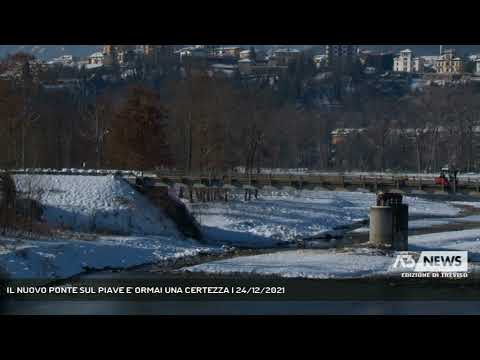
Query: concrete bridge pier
{"points": [[389, 222], [381, 225]]}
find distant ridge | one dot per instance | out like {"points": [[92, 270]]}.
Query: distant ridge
{"points": [[45, 52]]}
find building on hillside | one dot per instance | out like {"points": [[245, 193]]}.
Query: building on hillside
{"points": [[24, 71], [320, 60], [261, 56], [124, 54], [247, 54], [96, 58], [429, 63], [430, 60], [282, 57], [193, 52], [120, 54], [223, 70], [406, 62], [109, 55], [232, 51], [108, 49], [477, 66], [255, 55], [474, 57], [449, 63], [65, 60]]}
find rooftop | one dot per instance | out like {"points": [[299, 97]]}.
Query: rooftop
{"points": [[286, 50]]}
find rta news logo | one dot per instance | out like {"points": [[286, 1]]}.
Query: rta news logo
{"points": [[435, 264]]}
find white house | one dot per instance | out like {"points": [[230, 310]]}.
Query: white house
{"points": [[245, 54], [96, 58], [449, 63], [477, 66], [320, 60], [405, 62], [66, 60], [418, 65], [192, 51]]}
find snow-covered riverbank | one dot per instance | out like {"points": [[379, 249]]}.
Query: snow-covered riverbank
{"points": [[134, 231], [105, 204], [349, 263], [63, 258], [281, 216], [126, 230]]}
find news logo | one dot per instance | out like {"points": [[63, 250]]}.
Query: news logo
{"points": [[450, 264], [405, 261]]}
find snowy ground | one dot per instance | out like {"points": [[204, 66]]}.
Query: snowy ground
{"points": [[135, 232], [138, 232], [65, 258], [450, 240], [95, 204], [353, 263], [318, 264], [279, 217]]}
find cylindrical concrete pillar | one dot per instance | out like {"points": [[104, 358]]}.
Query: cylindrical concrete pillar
{"points": [[381, 225]]}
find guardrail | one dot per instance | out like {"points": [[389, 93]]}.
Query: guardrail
{"points": [[325, 179]]}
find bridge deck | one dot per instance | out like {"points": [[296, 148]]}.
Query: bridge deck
{"points": [[325, 180]]}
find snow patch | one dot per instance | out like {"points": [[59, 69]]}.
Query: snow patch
{"points": [[468, 240], [58, 258], [316, 264], [95, 204]]}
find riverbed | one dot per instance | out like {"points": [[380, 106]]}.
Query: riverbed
{"points": [[159, 271]]}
